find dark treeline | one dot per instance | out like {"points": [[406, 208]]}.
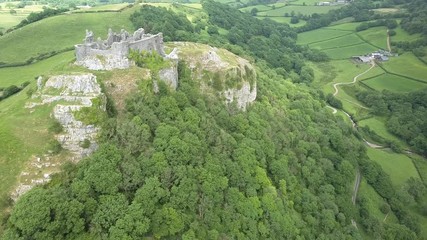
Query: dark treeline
{"points": [[406, 115], [389, 23], [37, 16], [416, 22], [273, 42], [11, 90]]}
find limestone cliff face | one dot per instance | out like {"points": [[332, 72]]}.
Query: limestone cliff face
{"points": [[220, 72], [71, 93]]}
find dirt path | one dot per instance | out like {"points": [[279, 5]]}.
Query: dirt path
{"points": [[388, 41]]}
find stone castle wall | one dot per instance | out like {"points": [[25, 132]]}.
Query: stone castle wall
{"points": [[118, 45]]}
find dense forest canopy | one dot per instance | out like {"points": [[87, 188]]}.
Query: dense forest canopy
{"points": [[180, 164]]}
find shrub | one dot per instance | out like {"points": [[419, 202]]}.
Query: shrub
{"points": [[54, 146], [55, 127], [85, 144]]}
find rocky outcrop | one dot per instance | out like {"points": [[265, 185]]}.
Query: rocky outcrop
{"points": [[220, 72], [73, 92]]}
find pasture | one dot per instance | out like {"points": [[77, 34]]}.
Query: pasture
{"points": [[286, 20], [394, 83], [407, 65], [58, 33], [350, 26], [304, 10], [398, 166], [346, 40], [319, 35], [376, 36], [349, 51], [8, 20]]}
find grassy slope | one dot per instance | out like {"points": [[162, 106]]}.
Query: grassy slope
{"points": [[18, 75], [57, 33], [398, 166], [22, 134]]}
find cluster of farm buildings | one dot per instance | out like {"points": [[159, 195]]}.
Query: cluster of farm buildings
{"points": [[380, 55], [337, 2]]}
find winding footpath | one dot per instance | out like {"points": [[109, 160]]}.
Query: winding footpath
{"points": [[354, 125], [354, 79]]}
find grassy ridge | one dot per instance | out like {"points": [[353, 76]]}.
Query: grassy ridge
{"points": [[57, 33]]}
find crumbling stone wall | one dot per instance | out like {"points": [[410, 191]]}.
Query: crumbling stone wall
{"points": [[118, 45]]}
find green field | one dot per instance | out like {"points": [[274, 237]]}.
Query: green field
{"points": [[376, 36], [347, 40], [8, 20], [408, 65], [394, 83], [18, 75], [348, 52], [57, 33], [285, 20], [350, 26], [108, 7], [305, 10], [398, 166], [320, 35], [260, 8]]}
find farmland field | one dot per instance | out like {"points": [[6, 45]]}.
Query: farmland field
{"points": [[70, 29], [8, 20], [408, 65], [351, 26], [320, 35], [394, 83], [398, 166], [346, 40], [280, 12], [376, 36], [348, 52], [285, 20]]}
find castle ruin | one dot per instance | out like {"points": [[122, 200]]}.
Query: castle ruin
{"points": [[112, 53]]}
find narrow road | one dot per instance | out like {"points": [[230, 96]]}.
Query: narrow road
{"points": [[354, 195], [354, 79], [356, 187]]}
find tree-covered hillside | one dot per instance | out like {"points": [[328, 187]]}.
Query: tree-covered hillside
{"points": [[184, 165]]}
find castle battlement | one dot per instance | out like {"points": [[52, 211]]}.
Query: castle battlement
{"points": [[118, 45]]}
